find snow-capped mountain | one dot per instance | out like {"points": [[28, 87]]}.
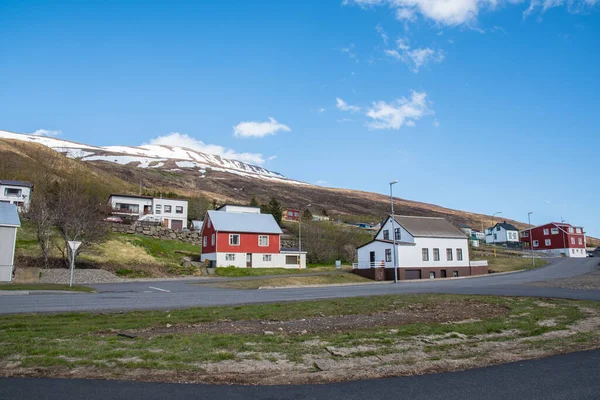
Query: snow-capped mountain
{"points": [[170, 158]]}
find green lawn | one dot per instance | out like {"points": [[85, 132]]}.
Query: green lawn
{"points": [[43, 286]]}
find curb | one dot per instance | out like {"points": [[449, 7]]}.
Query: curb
{"points": [[14, 292]]}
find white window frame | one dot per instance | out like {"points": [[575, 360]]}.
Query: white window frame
{"points": [[178, 209], [386, 234], [449, 255], [168, 209], [536, 243], [263, 237], [267, 258], [579, 241], [425, 254], [436, 254], [212, 240], [208, 225], [204, 241], [548, 242], [554, 231], [459, 255], [397, 234], [229, 257], [525, 234], [546, 231], [157, 209], [231, 236], [572, 240], [388, 255]]}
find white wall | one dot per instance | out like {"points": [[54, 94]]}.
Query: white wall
{"points": [[25, 196], [240, 209], [404, 235], [140, 202], [277, 260], [171, 215], [502, 236], [7, 252], [411, 255]]}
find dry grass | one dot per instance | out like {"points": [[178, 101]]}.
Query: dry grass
{"points": [[326, 279], [513, 264], [120, 252]]}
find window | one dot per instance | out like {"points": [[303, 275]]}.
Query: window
{"points": [[580, 241], [10, 192], [570, 230], [436, 254], [263, 240], [449, 254], [229, 257], [554, 231], [455, 274], [432, 275], [267, 257], [578, 230], [291, 260], [128, 208], [204, 241], [459, 256], [157, 209], [546, 232], [212, 240], [290, 213], [397, 234], [388, 255], [495, 237], [536, 243], [386, 235], [525, 234], [234, 240], [168, 209], [295, 213], [548, 242], [498, 228], [572, 240], [5, 201], [425, 254], [208, 223], [178, 209]]}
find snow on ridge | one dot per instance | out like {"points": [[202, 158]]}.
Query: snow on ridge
{"points": [[45, 140], [144, 162]]}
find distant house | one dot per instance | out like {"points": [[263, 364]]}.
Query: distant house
{"points": [[320, 218], [503, 233], [555, 238], [239, 237], [17, 193], [169, 212], [9, 222], [197, 225], [291, 214], [477, 235], [426, 248]]}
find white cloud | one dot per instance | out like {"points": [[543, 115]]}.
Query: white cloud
{"points": [[414, 58], [344, 120], [400, 112], [384, 36], [271, 158], [465, 12], [436, 123], [183, 140], [259, 129], [321, 110], [349, 51], [342, 105], [46, 132]]}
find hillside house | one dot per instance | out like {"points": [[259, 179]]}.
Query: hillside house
{"points": [[555, 239], [241, 237], [169, 212], [17, 193], [9, 222], [291, 214], [504, 234], [426, 248]]}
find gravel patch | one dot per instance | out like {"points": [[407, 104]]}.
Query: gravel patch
{"points": [[590, 281], [80, 276]]}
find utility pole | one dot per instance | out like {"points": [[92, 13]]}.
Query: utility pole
{"points": [[394, 231], [531, 238], [493, 232]]}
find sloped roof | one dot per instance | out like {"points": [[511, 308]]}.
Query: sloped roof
{"points": [[506, 226], [429, 227], [9, 215], [242, 222], [15, 183]]}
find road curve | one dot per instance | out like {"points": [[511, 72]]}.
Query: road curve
{"points": [[570, 376], [182, 294]]}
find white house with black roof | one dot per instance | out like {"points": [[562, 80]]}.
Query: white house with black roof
{"points": [[17, 193], [426, 248], [503, 233], [9, 222]]}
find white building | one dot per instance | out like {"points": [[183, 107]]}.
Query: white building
{"points": [[17, 193], [503, 233], [425, 248], [171, 213], [9, 222]]}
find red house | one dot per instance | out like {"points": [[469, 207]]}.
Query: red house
{"points": [[555, 238], [241, 236], [291, 214]]}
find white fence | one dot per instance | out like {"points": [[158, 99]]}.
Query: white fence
{"points": [[367, 264], [482, 263]]}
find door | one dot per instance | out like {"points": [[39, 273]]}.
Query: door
{"points": [[166, 223], [176, 224], [249, 260], [372, 258], [443, 273], [412, 274]]}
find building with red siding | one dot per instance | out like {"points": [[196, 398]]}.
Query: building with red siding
{"points": [[241, 236], [291, 214], [555, 239]]}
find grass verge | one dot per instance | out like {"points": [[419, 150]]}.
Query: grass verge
{"points": [[44, 286], [233, 272], [513, 264], [314, 341], [325, 279]]}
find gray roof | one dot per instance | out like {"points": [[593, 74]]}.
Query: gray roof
{"points": [[15, 183], [9, 215], [429, 227], [242, 222], [506, 226]]}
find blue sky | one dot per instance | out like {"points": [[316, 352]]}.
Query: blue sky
{"points": [[476, 105]]}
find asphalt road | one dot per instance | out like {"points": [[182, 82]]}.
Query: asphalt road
{"points": [[571, 376], [181, 294]]}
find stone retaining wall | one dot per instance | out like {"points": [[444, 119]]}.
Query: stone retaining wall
{"points": [[158, 232]]}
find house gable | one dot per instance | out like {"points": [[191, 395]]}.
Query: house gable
{"points": [[405, 236]]}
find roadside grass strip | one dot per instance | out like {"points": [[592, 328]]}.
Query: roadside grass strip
{"points": [[297, 342]]}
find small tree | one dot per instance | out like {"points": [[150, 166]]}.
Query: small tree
{"points": [[275, 210], [307, 215], [197, 207], [42, 214], [254, 202]]}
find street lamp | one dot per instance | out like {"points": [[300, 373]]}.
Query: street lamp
{"points": [[493, 234], [300, 228], [531, 238], [565, 244], [394, 230]]}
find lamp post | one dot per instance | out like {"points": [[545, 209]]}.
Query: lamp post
{"points": [[531, 237], [493, 234], [300, 228], [565, 244], [394, 230]]}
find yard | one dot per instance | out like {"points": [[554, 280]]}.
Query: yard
{"points": [[328, 278], [297, 342]]}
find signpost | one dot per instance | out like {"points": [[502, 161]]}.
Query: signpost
{"points": [[73, 246]]}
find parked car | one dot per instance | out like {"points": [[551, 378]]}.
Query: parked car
{"points": [[114, 219], [591, 254]]}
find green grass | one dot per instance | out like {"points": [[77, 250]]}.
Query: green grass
{"points": [[503, 264], [239, 272], [132, 273], [44, 286]]}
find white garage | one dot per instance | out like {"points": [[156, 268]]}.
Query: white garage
{"points": [[9, 222]]}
